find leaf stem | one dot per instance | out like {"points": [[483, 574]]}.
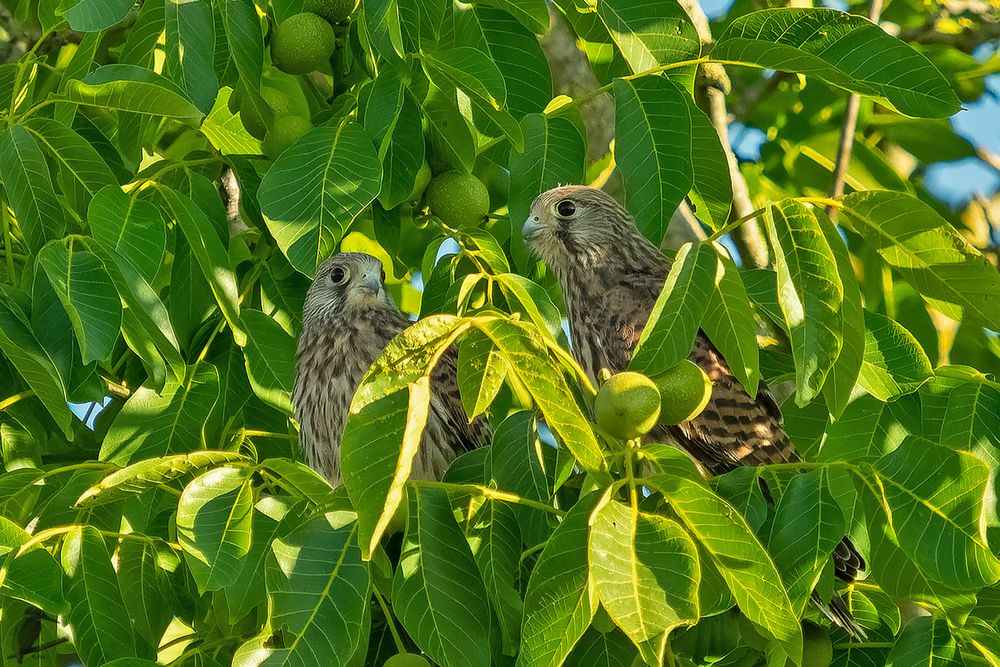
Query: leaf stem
{"points": [[493, 494], [734, 224], [400, 646], [583, 99], [15, 398]]}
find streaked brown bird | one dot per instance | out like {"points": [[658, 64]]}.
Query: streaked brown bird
{"points": [[611, 276], [347, 320]]}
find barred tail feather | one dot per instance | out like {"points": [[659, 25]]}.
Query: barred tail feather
{"points": [[838, 613]]}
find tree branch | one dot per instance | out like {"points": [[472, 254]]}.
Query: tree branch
{"points": [[711, 88], [847, 130]]}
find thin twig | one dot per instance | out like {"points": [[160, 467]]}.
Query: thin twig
{"points": [[713, 85], [847, 130]]}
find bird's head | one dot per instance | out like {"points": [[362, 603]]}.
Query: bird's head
{"points": [[346, 283], [575, 225]]}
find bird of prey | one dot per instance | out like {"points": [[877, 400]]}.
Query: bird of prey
{"points": [[347, 320], [611, 276]]}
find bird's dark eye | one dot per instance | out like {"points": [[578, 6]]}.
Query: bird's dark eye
{"points": [[383, 275], [338, 275], [566, 208]]}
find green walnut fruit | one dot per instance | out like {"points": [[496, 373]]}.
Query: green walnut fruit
{"points": [[684, 392], [407, 660], [302, 43], [285, 132], [333, 11], [627, 406], [420, 182], [459, 200], [817, 649]]}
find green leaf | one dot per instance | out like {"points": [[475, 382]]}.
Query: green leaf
{"points": [[21, 348], [88, 295], [517, 52], [129, 88], [650, 33], [934, 498], [270, 359], [386, 422], [96, 15], [665, 149], [843, 375], [33, 575], [846, 50], [809, 291], [606, 649], [867, 429], [928, 140], [244, 38], [516, 463], [933, 257], [143, 587], [894, 363], [529, 361], [495, 541], [469, 69], [448, 132], [481, 372], [382, 27], [316, 188], [532, 14], [273, 518], [225, 130], [97, 613], [530, 299], [28, 188], [299, 479], [554, 154], [214, 516], [730, 544], [437, 591], [808, 524], [190, 50], [559, 602], [319, 589], [729, 323], [404, 155], [81, 166], [150, 473], [925, 640], [170, 422], [673, 323], [132, 228], [211, 254], [645, 570]]}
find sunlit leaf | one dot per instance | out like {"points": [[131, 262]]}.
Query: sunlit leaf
{"points": [[810, 292], [673, 323], [316, 188], [437, 592], [645, 570], [214, 516], [847, 50]]}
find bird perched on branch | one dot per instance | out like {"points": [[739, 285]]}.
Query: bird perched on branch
{"points": [[611, 276], [347, 320]]}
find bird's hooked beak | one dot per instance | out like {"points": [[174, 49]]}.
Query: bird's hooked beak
{"points": [[371, 281], [531, 227]]}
